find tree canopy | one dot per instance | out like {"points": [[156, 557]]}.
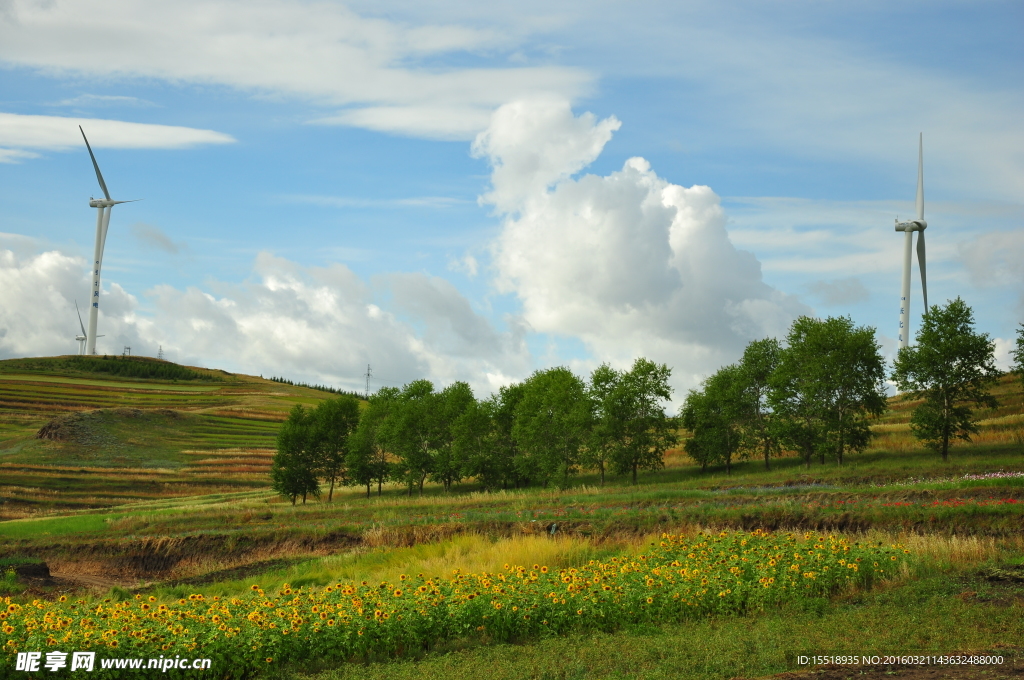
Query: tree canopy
{"points": [[951, 368]]}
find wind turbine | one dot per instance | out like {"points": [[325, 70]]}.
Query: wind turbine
{"points": [[103, 206], [83, 337], [908, 228]]}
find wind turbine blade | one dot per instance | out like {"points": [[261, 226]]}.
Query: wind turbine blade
{"points": [[921, 176], [99, 175], [920, 261], [80, 318]]}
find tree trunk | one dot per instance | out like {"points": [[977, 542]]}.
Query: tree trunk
{"points": [[330, 494], [367, 489], [634, 474], [767, 455]]}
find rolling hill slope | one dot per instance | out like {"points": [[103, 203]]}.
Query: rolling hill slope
{"points": [[111, 438]]}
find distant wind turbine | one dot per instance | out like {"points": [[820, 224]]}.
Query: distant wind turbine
{"points": [[908, 228], [83, 337], [103, 206]]}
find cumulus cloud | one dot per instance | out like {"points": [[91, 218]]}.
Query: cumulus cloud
{"points": [[59, 132], [629, 263], [38, 315], [310, 323], [534, 144], [364, 67]]}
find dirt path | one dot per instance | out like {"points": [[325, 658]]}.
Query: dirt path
{"points": [[96, 584]]}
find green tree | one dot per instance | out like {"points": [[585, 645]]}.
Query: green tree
{"points": [[830, 378], [367, 458], [603, 383], [411, 432], [553, 422], [854, 373], [293, 472], [631, 424], [713, 415], [333, 422], [475, 444], [796, 395], [516, 470], [448, 407], [951, 368], [760, 432]]}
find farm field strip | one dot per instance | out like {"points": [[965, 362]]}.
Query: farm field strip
{"points": [[45, 380]]}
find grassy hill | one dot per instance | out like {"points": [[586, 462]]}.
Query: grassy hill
{"points": [[114, 438]]}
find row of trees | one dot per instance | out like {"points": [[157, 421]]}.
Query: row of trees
{"points": [[541, 431], [322, 388], [815, 394]]}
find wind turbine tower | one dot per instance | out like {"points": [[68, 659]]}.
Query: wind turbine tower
{"points": [[103, 206], [908, 228]]}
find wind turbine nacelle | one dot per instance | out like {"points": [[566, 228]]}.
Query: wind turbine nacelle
{"points": [[102, 203], [913, 225]]}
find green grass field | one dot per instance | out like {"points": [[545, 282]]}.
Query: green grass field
{"points": [[161, 489]]}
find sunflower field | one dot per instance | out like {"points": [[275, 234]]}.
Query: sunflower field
{"points": [[676, 578]]}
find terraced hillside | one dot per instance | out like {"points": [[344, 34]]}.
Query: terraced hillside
{"points": [[77, 434]]}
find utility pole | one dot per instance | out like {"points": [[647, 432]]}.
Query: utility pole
{"points": [[368, 374]]}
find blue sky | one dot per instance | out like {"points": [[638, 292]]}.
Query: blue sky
{"points": [[446, 190]]}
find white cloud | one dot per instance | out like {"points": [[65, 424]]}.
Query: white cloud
{"points": [[1002, 352], [467, 265], [533, 144], [309, 323], [36, 317], [58, 132], [15, 155], [995, 258], [319, 51], [104, 100], [628, 263]]}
